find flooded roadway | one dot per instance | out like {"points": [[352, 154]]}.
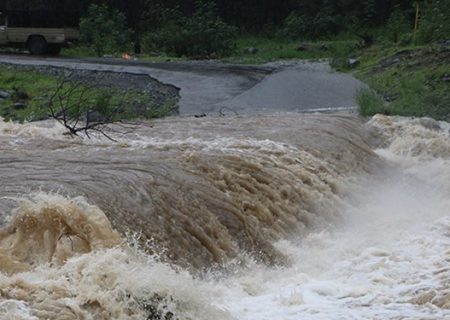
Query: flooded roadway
{"points": [[215, 88]]}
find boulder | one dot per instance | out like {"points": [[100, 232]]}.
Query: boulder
{"points": [[445, 78], [390, 97], [444, 42], [20, 95], [95, 116], [302, 47], [251, 50], [4, 94], [6, 113], [428, 123], [324, 47], [19, 106], [353, 63]]}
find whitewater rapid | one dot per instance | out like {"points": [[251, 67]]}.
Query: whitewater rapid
{"points": [[273, 217]]}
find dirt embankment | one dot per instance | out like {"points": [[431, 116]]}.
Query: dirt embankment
{"points": [[160, 94]]}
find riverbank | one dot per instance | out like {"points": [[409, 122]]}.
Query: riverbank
{"points": [[402, 80], [406, 81], [27, 91], [211, 88]]}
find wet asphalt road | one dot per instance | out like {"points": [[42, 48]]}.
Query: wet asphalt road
{"points": [[217, 88]]}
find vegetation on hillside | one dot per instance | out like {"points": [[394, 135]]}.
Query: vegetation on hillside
{"points": [[408, 81]]}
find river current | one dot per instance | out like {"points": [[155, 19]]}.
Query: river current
{"points": [[255, 217]]}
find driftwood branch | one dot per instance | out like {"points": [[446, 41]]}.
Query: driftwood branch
{"points": [[72, 105]]}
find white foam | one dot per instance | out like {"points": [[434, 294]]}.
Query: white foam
{"points": [[388, 261]]}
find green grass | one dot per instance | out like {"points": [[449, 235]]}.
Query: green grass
{"points": [[369, 102], [34, 85], [78, 51], [268, 49], [406, 81], [35, 89], [273, 49]]}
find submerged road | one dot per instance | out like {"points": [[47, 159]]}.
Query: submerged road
{"points": [[210, 87]]}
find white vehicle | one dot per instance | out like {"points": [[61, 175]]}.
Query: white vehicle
{"points": [[38, 40]]}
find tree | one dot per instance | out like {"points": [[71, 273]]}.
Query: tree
{"points": [[201, 35], [397, 25], [435, 23], [105, 30]]}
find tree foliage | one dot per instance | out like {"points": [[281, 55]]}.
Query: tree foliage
{"points": [[435, 21], [104, 30], [397, 25], [203, 34]]}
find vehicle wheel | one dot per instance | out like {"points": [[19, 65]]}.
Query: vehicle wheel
{"points": [[54, 49], [37, 45]]}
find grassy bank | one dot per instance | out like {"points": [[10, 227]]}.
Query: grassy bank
{"points": [[256, 49], [407, 81], [26, 94], [251, 49]]}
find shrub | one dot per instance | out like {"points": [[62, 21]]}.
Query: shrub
{"points": [[435, 22], [104, 30], [396, 27], [202, 35], [297, 26], [326, 23], [370, 103]]}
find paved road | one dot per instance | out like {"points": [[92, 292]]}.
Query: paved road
{"points": [[214, 87]]}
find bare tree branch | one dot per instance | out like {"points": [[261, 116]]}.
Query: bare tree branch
{"points": [[72, 106]]}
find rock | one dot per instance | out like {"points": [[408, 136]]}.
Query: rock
{"points": [[19, 106], [390, 62], [338, 62], [390, 97], [251, 50], [324, 47], [6, 113], [444, 42], [302, 47], [95, 116], [352, 63], [4, 94], [446, 78], [428, 123], [19, 95]]}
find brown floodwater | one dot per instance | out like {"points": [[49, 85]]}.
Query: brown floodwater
{"points": [[134, 228]]}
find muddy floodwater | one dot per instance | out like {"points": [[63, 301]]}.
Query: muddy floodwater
{"points": [[283, 216]]}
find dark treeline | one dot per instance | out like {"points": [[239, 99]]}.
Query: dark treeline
{"points": [[255, 15], [207, 27], [249, 15]]}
